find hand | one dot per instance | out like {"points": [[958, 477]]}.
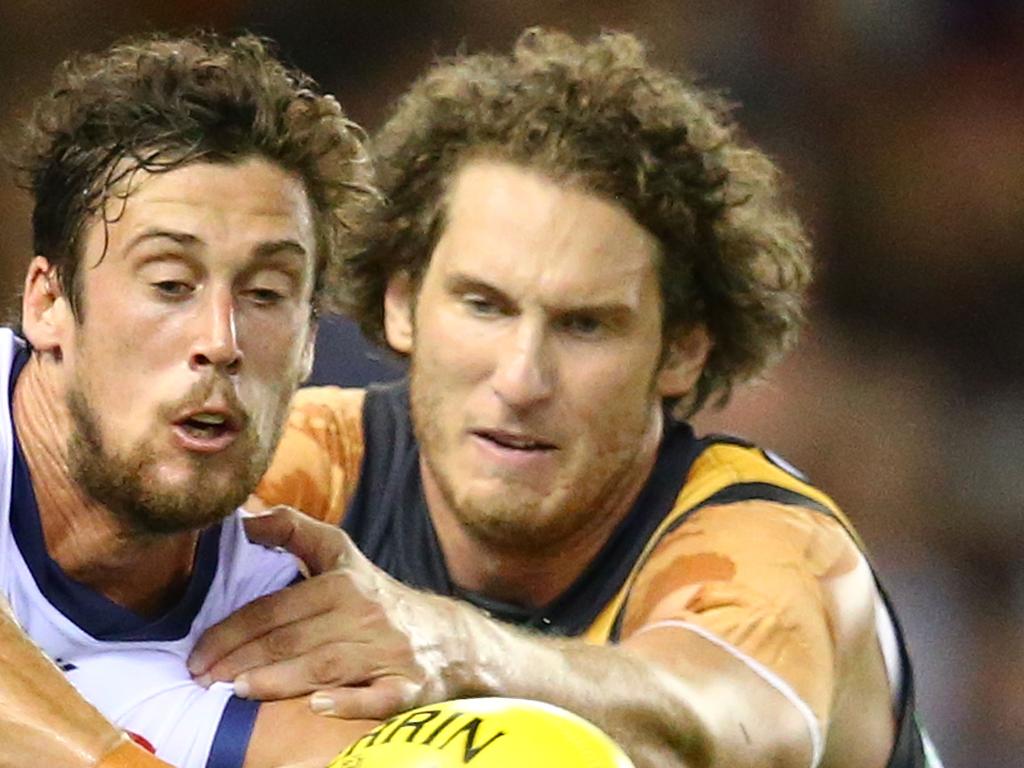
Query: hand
{"points": [[368, 646]]}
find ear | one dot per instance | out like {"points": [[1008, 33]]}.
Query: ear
{"points": [[398, 309], [684, 360], [46, 316]]}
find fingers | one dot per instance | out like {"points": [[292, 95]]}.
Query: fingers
{"points": [[261, 617], [333, 664], [290, 641], [384, 697], [319, 545]]}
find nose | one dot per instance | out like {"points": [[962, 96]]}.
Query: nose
{"points": [[215, 343], [523, 375]]}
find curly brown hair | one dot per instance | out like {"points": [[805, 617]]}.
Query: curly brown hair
{"points": [[158, 103], [599, 116]]}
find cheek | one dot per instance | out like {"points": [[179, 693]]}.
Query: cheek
{"points": [[121, 361], [274, 344], [613, 388], [453, 349]]}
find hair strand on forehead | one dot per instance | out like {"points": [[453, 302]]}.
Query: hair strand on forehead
{"points": [[159, 103]]}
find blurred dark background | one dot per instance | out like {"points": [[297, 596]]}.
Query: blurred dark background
{"points": [[901, 124]]}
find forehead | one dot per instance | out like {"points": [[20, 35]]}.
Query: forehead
{"points": [[227, 205], [511, 221]]}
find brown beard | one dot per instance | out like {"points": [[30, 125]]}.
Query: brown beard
{"points": [[122, 483], [516, 522]]}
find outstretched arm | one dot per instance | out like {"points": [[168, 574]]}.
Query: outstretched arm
{"points": [[43, 719], [670, 693]]}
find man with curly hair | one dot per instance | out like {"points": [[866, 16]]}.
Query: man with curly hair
{"points": [[190, 198], [579, 251]]}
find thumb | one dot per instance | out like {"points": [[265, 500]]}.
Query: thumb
{"points": [[321, 547]]}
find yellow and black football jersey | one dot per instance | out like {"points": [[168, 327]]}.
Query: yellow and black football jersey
{"points": [[724, 536]]}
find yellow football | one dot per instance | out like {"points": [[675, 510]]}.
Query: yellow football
{"points": [[484, 733]]}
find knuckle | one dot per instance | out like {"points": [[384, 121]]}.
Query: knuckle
{"points": [[406, 693], [261, 613], [326, 666], [280, 644]]}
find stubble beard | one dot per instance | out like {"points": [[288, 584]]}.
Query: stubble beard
{"points": [[126, 485], [520, 519]]}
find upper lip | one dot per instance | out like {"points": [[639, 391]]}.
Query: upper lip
{"points": [[516, 438]]}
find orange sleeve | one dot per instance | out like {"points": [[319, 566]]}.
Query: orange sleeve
{"points": [[317, 463], [753, 574]]}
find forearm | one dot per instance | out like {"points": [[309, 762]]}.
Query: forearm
{"points": [[647, 710], [702, 709], [43, 719]]}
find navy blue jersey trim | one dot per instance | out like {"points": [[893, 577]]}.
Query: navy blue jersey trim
{"points": [[21, 357], [908, 747], [231, 741], [89, 610], [388, 518], [761, 491]]}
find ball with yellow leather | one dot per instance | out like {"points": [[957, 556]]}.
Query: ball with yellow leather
{"points": [[484, 733]]}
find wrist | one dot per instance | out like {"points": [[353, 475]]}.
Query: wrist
{"points": [[473, 648]]}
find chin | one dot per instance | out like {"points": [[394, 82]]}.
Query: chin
{"points": [[510, 521]]}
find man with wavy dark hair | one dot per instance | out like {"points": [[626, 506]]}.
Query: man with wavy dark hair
{"points": [[190, 196], [579, 250]]}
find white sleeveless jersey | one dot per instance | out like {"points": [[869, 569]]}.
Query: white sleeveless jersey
{"points": [[132, 669]]}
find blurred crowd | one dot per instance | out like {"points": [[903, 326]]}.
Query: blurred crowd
{"points": [[901, 126]]}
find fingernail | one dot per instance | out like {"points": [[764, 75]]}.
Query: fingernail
{"points": [[251, 513], [322, 704], [204, 680], [242, 689]]}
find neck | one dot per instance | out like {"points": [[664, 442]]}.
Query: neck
{"points": [[534, 577], [146, 574]]}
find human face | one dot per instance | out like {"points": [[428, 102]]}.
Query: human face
{"points": [[536, 359], [195, 330]]}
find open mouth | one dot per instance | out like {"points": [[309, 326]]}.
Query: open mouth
{"points": [[208, 430], [206, 426]]}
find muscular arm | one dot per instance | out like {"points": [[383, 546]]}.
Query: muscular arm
{"points": [[718, 665], [669, 697]]}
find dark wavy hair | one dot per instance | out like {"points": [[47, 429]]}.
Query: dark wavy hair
{"points": [[159, 103], [599, 116]]}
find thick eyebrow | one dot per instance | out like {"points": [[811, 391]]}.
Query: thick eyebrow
{"points": [[182, 238], [275, 247], [612, 310], [262, 251]]}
